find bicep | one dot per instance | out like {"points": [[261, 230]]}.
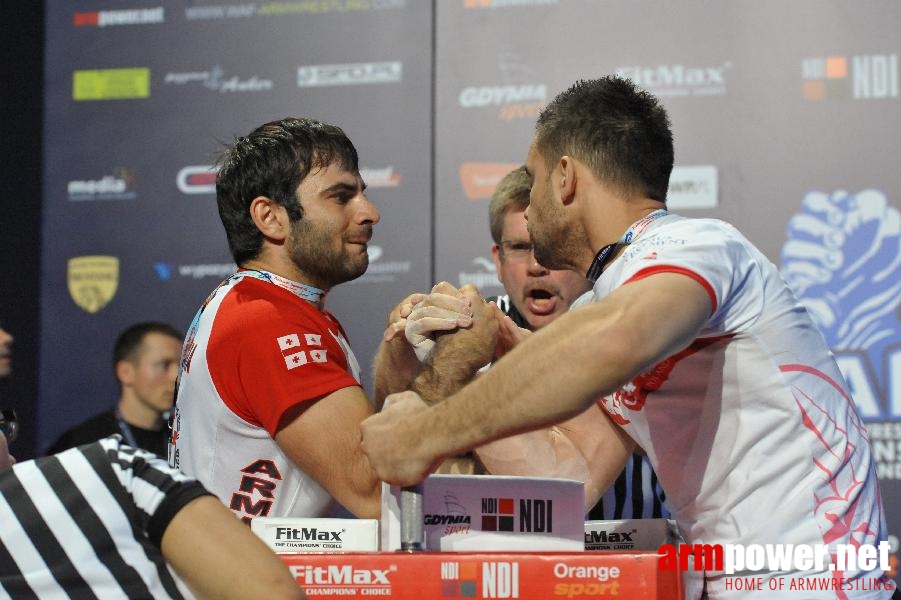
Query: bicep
{"points": [[323, 438], [657, 316]]}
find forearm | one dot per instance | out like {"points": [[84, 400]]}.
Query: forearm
{"points": [[441, 378], [543, 381], [542, 453], [395, 366], [588, 447]]}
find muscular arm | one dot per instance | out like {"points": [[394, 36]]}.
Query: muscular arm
{"points": [[395, 363], [470, 326], [459, 355], [552, 376], [588, 447], [323, 438], [217, 556]]}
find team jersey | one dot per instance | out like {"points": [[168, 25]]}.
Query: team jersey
{"points": [[751, 429], [255, 350]]}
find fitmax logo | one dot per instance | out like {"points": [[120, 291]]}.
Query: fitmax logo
{"points": [[602, 537], [291, 533], [341, 575]]}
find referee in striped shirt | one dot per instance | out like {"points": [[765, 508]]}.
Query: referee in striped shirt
{"points": [[105, 520], [536, 296]]}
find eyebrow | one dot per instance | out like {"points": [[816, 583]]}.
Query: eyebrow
{"points": [[344, 187]]}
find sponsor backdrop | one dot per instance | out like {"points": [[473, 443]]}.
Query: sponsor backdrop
{"points": [[785, 117]]}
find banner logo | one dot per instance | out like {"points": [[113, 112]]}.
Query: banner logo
{"points": [[480, 179], [93, 281], [106, 18], [111, 84], [349, 74], [506, 3], [216, 80], [692, 187], [864, 77], [678, 79], [380, 178], [197, 179], [118, 186], [484, 278]]}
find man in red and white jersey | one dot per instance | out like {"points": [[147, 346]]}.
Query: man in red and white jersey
{"points": [[269, 398], [693, 346]]}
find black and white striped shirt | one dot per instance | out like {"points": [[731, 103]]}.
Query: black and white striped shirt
{"points": [[88, 523], [636, 493]]}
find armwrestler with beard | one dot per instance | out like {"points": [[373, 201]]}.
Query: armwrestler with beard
{"points": [[536, 296]]}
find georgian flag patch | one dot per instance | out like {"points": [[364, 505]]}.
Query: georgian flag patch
{"points": [[297, 354]]}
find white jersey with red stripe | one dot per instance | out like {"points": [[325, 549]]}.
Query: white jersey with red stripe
{"points": [[751, 429], [255, 351]]}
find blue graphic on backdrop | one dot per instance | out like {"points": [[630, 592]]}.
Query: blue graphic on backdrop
{"points": [[843, 260], [163, 270]]}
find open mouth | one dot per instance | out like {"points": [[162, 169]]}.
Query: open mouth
{"points": [[541, 302]]}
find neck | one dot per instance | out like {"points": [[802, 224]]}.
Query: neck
{"points": [[291, 273], [611, 227], [138, 414]]}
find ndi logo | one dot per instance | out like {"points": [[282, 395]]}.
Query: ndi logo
{"points": [[861, 77], [535, 515]]}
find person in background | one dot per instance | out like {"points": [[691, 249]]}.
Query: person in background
{"points": [[536, 296], [6, 352], [105, 520], [145, 363]]}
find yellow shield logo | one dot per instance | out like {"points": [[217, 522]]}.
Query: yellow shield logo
{"points": [[93, 281]]}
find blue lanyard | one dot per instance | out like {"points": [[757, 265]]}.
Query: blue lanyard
{"points": [[606, 253], [126, 431]]}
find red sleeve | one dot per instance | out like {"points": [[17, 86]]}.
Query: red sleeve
{"points": [[269, 352]]}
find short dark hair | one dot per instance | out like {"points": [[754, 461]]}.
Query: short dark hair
{"points": [[511, 193], [272, 161], [620, 131], [129, 341]]}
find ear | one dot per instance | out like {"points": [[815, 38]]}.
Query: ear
{"points": [[125, 372], [567, 181], [270, 218], [496, 255]]}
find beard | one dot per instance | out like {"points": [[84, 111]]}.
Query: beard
{"points": [[551, 235], [311, 248]]}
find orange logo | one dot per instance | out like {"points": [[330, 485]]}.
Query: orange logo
{"points": [[480, 179]]}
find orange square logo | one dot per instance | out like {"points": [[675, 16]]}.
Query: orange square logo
{"points": [[836, 67], [814, 90], [468, 570]]}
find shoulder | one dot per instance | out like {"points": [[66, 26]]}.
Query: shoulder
{"points": [[93, 429]]}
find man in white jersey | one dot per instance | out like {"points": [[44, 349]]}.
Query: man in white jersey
{"points": [[692, 344], [269, 399]]}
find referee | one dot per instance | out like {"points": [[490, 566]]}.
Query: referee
{"points": [[105, 520]]}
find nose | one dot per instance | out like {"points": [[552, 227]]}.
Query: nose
{"points": [[535, 267], [367, 212]]}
